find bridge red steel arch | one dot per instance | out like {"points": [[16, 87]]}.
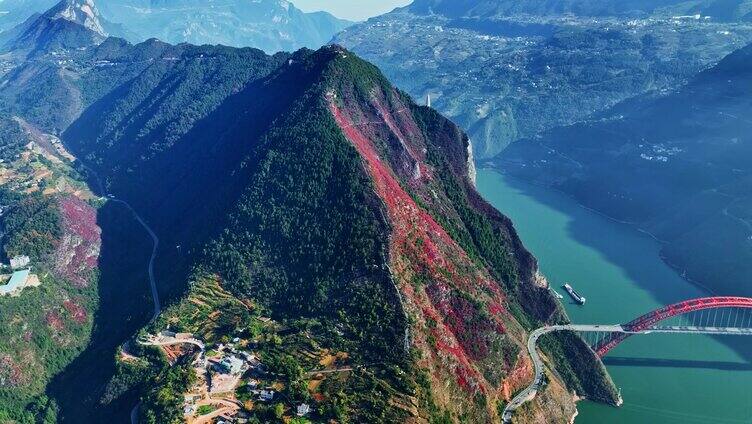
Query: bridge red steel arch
{"points": [[651, 318]]}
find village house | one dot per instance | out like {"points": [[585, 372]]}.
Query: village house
{"points": [[303, 409], [266, 395], [232, 365], [19, 261]]}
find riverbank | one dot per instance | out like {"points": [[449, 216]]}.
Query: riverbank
{"points": [[667, 379], [635, 225]]}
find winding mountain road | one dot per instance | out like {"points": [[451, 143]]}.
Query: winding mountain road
{"points": [[152, 259], [532, 390], [171, 341], [152, 279], [155, 240], [150, 267]]}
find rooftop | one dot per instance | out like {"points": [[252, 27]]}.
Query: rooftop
{"points": [[17, 281]]}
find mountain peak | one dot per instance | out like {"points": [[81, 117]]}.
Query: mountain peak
{"points": [[70, 24], [82, 12]]}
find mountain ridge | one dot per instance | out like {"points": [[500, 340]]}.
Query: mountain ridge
{"points": [[69, 24], [270, 25], [717, 9]]}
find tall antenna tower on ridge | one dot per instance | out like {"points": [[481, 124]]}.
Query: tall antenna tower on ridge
{"points": [[428, 100]]}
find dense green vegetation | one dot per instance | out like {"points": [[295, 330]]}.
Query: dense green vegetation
{"points": [[304, 240], [31, 227], [41, 410], [163, 402], [42, 335], [12, 138], [575, 364]]}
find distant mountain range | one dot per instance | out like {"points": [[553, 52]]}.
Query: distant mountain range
{"points": [[724, 10], [271, 25], [677, 164], [507, 70]]}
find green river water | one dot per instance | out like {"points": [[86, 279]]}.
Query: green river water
{"points": [[663, 378]]}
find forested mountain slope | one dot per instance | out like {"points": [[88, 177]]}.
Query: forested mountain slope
{"points": [[677, 165], [49, 215], [506, 70], [303, 187], [312, 232]]}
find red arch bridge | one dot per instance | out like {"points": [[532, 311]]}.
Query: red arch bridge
{"points": [[722, 315], [727, 315]]}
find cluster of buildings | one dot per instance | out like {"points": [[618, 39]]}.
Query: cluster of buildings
{"points": [[19, 279], [226, 368], [221, 371]]}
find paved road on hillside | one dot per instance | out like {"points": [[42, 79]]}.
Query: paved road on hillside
{"points": [[529, 393], [152, 259], [155, 240], [152, 279], [171, 341]]}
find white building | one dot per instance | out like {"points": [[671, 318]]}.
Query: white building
{"points": [[19, 261], [232, 364], [303, 409]]}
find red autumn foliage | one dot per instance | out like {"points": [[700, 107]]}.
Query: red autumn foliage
{"points": [[463, 330], [76, 311], [78, 251], [54, 321], [10, 373]]}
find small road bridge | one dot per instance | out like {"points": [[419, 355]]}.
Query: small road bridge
{"points": [[722, 315]]}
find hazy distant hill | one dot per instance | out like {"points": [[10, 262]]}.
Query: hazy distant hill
{"points": [[14, 12], [724, 10], [271, 25], [677, 164], [507, 70]]}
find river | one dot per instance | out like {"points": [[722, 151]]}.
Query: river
{"points": [[663, 378]]}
